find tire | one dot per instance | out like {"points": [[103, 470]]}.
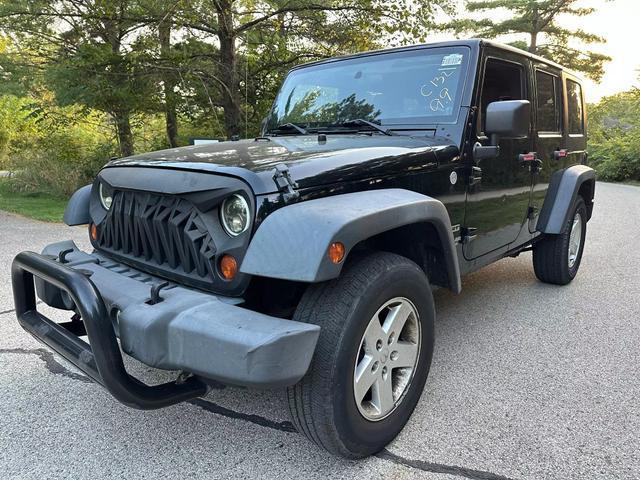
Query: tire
{"points": [[323, 405], [553, 261]]}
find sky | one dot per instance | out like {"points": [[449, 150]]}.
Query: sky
{"points": [[616, 21]]}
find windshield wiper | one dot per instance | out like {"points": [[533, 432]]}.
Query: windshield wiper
{"points": [[288, 127], [363, 122]]}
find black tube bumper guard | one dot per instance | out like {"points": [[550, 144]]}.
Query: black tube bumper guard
{"points": [[263, 359]]}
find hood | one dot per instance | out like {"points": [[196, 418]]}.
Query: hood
{"points": [[310, 162]]}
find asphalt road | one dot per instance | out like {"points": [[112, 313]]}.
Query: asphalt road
{"points": [[529, 381]]}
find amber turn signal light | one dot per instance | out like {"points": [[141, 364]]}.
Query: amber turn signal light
{"points": [[228, 267], [336, 252], [93, 232]]}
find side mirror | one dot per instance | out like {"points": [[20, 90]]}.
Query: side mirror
{"points": [[510, 118]]}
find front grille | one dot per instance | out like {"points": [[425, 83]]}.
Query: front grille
{"points": [[167, 233]]}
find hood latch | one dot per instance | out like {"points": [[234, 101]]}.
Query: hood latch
{"points": [[285, 183]]}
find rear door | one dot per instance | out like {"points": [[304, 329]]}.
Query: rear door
{"points": [[560, 124], [550, 140]]}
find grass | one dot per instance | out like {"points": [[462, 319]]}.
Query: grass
{"points": [[38, 206]]}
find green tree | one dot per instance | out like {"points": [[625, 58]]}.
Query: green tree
{"points": [[209, 62], [269, 36], [538, 21], [85, 52]]}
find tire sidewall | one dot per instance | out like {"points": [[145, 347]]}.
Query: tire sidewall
{"points": [[580, 208], [357, 433]]}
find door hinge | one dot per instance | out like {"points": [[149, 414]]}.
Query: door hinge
{"points": [[467, 234], [285, 183], [475, 176]]}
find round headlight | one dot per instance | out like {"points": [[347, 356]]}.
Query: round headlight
{"points": [[105, 196], [234, 214]]}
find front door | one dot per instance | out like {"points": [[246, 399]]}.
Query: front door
{"points": [[498, 196]]}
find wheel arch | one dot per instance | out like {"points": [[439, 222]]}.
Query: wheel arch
{"points": [[587, 192], [564, 187], [419, 242], [292, 242], [77, 209]]}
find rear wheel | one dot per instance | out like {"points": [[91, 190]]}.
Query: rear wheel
{"points": [[556, 258], [372, 358]]}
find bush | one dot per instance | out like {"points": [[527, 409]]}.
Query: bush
{"points": [[617, 158], [59, 164], [614, 137], [50, 149]]}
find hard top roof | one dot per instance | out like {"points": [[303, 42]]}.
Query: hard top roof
{"points": [[474, 43]]}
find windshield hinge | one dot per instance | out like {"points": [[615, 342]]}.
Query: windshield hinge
{"points": [[285, 183], [468, 234]]}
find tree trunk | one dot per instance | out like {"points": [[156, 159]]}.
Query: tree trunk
{"points": [[231, 102], [535, 21], [125, 136], [533, 44], [121, 115], [169, 83]]}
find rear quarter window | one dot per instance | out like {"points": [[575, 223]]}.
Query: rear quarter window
{"points": [[575, 107]]}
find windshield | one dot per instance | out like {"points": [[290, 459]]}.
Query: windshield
{"points": [[414, 87]]}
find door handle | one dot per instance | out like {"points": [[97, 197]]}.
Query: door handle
{"points": [[560, 153], [530, 159]]}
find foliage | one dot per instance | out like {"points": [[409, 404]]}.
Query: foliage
{"points": [[81, 81], [614, 137], [122, 59], [86, 53], [114, 75], [50, 150], [538, 21], [40, 206]]}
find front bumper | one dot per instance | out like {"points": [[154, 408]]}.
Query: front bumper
{"points": [[183, 329]]}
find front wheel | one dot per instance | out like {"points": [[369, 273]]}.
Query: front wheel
{"points": [[372, 358]]}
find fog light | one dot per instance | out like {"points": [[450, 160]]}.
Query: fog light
{"points": [[228, 267], [336, 252]]}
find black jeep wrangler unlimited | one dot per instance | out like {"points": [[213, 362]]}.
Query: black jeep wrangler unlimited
{"points": [[306, 258]]}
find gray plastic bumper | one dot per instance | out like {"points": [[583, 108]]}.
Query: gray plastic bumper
{"points": [[189, 330]]}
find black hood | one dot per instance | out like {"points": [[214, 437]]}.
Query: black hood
{"points": [[311, 162]]}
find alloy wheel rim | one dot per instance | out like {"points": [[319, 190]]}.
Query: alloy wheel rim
{"points": [[387, 358], [575, 239]]}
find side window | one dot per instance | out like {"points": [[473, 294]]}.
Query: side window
{"points": [[576, 110], [548, 102], [502, 81]]}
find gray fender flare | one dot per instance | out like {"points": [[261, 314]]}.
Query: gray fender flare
{"points": [[562, 192], [292, 242], [77, 211]]}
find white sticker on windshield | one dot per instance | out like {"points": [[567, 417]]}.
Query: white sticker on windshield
{"points": [[453, 59]]}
